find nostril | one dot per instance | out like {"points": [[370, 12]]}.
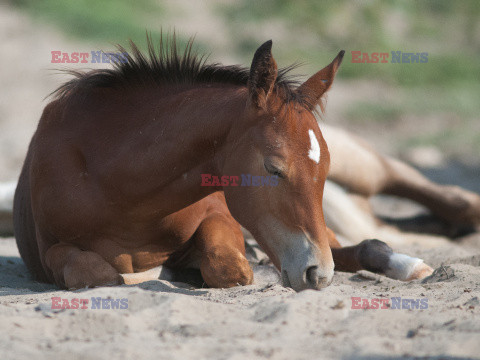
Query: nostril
{"points": [[312, 276]]}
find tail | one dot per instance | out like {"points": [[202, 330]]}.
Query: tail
{"points": [[24, 225]]}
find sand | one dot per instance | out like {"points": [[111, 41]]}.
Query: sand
{"points": [[168, 320]]}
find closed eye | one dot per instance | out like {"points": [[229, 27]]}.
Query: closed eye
{"points": [[274, 171]]}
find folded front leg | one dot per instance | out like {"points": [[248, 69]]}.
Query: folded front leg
{"points": [[222, 252], [73, 268]]}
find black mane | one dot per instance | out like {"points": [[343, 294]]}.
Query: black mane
{"points": [[167, 66]]}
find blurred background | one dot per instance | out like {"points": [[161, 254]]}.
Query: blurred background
{"points": [[426, 113]]}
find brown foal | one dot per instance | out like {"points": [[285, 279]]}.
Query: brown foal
{"points": [[111, 181]]}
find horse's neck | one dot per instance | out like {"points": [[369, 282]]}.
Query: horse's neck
{"points": [[186, 139], [192, 132]]}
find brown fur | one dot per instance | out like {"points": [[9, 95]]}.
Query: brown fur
{"points": [[111, 183], [113, 171]]}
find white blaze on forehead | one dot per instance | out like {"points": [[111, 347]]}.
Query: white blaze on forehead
{"points": [[314, 152]]}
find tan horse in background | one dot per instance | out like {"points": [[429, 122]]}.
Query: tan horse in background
{"points": [[111, 184]]}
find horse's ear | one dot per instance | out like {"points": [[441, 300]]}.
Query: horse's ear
{"points": [[263, 74], [318, 84]]}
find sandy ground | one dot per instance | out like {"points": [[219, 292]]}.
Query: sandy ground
{"points": [[170, 320], [165, 320]]}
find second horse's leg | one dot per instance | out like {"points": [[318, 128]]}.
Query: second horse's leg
{"points": [[362, 170], [376, 256]]}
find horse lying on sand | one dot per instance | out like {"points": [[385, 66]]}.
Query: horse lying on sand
{"points": [[111, 182]]}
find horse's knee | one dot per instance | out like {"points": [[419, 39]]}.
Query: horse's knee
{"points": [[226, 271], [88, 269], [222, 263]]}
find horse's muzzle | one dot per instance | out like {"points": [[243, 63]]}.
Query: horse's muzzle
{"points": [[313, 277]]}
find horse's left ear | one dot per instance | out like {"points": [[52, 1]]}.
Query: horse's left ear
{"points": [[263, 74], [317, 85]]}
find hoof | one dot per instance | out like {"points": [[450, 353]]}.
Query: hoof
{"points": [[407, 268], [421, 271]]}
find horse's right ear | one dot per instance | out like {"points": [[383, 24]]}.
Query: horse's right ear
{"points": [[317, 85], [263, 74]]}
